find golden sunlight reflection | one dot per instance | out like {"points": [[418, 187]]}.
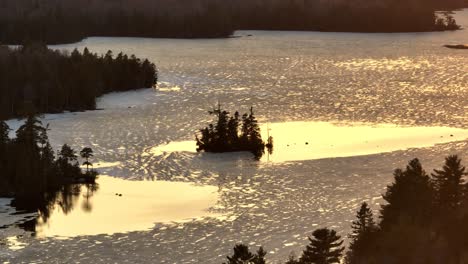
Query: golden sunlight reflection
{"points": [[315, 140], [14, 244], [122, 206], [295, 141]]}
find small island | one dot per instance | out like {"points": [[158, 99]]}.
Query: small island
{"points": [[233, 133], [460, 46]]}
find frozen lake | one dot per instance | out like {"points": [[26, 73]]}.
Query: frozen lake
{"points": [[391, 97]]}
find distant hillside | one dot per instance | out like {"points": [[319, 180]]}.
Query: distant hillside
{"points": [[59, 21]]}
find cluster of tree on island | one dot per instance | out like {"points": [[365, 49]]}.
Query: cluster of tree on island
{"points": [[233, 133], [59, 21], [423, 221], [38, 79], [30, 170]]}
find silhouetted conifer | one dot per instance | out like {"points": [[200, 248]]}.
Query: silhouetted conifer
{"points": [[362, 235], [292, 259], [325, 247], [242, 255], [448, 184], [87, 153], [409, 198]]}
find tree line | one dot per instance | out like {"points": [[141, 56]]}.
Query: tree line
{"points": [[55, 21], [233, 133], [30, 170], [38, 79], [423, 221]]}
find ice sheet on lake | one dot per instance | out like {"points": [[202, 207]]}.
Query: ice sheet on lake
{"points": [[120, 206], [404, 79], [296, 141]]}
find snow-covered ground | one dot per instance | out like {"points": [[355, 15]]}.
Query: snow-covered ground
{"points": [[404, 80]]}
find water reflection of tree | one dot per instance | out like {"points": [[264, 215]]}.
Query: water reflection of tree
{"points": [[87, 205], [65, 198]]}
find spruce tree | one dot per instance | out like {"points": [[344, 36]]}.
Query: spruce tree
{"points": [[363, 230], [233, 129], [325, 247], [364, 222], [292, 259], [242, 255], [28, 179], [409, 198], [448, 184]]}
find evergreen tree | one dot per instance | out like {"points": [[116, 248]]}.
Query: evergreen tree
{"points": [[233, 129], [242, 255], [448, 185], [292, 260], [28, 177], [87, 153], [362, 234], [67, 163], [364, 222], [324, 248], [409, 198]]}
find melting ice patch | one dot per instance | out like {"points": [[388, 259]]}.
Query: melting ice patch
{"points": [[294, 141], [122, 206]]}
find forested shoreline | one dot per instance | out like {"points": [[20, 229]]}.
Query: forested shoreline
{"points": [[30, 169], [36, 79], [36, 177], [423, 220], [68, 21]]}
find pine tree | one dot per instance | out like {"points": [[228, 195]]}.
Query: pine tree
{"points": [[233, 129], [363, 230], [364, 222], [67, 163], [448, 184], [87, 153], [242, 255], [292, 259], [409, 198], [324, 248], [28, 179]]}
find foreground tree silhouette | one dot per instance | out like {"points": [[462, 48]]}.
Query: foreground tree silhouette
{"points": [[409, 198], [242, 255], [424, 221], [364, 222], [448, 184], [324, 248], [363, 230]]}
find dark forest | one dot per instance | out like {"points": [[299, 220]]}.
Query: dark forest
{"points": [[55, 21], [36, 79]]}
